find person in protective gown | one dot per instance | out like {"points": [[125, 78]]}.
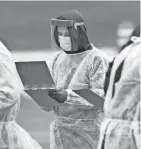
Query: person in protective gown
{"points": [[121, 126], [77, 122], [12, 136]]}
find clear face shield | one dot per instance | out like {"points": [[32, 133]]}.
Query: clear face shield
{"points": [[64, 35]]}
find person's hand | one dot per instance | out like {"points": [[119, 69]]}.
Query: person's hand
{"points": [[59, 95]]}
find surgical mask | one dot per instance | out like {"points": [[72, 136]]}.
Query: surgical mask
{"points": [[65, 43]]}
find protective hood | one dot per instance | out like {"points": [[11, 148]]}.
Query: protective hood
{"points": [[73, 21]]}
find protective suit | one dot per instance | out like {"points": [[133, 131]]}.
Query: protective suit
{"points": [[89, 75], [12, 136], [121, 127], [77, 122]]}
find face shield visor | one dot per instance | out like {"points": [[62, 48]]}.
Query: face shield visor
{"points": [[64, 34]]}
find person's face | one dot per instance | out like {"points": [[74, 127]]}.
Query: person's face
{"points": [[63, 31], [64, 38]]}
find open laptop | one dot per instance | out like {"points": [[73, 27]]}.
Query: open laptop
{"points": [[35, 74], [36, 79]]}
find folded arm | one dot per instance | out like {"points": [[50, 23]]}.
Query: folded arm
{"points": [[90, 77]]}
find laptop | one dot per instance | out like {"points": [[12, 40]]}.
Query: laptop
{"points": [[36, 79]]}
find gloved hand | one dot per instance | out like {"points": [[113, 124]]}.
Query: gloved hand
{"points": [[59, 95]]}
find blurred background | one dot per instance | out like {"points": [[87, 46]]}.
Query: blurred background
{"points": [[25, 30]]}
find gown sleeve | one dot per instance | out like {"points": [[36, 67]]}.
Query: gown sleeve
{"points": [[136, 126], [96, 76], [9, 85], [90, 74]]}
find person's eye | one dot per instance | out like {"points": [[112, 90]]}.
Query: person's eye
{"points": [[64, 34], [60, 34]]}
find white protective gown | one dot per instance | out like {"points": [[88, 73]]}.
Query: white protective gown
{"points": [[121, 127], [77, 121], [12, 136]]}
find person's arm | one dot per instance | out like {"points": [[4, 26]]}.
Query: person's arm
{"points": [[74, 99], [97, 74], [52, 65], [91, 76], [136, 121], [65, 96], [8, 81]]}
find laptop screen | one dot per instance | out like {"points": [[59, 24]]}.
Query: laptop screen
{"points": [[35, 74]]}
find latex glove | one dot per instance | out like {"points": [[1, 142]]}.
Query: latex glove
{"points": [[59, 95]]}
